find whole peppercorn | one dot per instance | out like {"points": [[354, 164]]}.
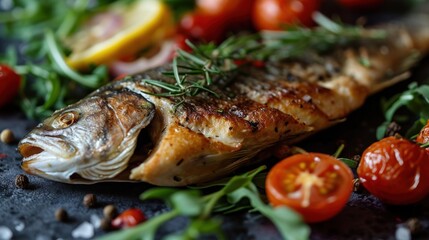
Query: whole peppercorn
{"points": [[89, 200], [110, 211], [21, 181], [61, 215], [105, 224], [6, 136]]}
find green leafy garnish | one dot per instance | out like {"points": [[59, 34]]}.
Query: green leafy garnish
{"points": [[398, 108], [48, 83], [237, 193]]}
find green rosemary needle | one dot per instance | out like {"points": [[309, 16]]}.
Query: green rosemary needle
{"points": [[198, 71]]}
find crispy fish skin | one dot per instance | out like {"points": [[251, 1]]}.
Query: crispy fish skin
{"points": [[207, 137]]}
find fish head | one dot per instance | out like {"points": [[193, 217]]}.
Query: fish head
{"points": [[89, 141]]}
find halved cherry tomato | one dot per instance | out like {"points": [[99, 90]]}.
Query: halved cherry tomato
{"points": [[395, 170], [316, 185], [275, 14], [9, 84], [360, 3], [129, 218]]}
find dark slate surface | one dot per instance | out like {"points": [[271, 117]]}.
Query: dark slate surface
{"points": [[363, 218]]}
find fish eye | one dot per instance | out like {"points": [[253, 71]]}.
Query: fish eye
{"points": [[66, 119]]}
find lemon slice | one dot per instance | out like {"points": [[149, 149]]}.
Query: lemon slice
{"points": [[120, 30]]}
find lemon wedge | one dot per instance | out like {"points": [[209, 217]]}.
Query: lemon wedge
{"points": [[118, 31]]}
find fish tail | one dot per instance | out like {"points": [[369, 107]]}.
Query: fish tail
{"points": [[384, 64]]}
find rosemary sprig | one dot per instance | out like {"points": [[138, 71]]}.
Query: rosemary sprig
{"points": [[208, 65]]}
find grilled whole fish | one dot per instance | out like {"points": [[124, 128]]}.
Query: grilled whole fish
{"points": [[120, 132]]}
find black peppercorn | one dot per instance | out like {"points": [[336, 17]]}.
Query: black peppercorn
{"points": [[21, 181], [110, 211], [89, 200], [61, 215], [105, 224]]}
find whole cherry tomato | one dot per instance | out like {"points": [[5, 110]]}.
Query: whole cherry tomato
{"points": [[236, 13], [212, 19], [129, 218], [275, 14], [203, 27], [360, 3], [316, 185], [9, 84], [395, 170]]}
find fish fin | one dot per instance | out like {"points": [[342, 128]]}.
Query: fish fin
{"points": [[385, 84]]}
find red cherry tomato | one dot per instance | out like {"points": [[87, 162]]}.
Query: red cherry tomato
{"points": [[275, 14], [129, 218], [9, 84], [236, 13], [212, 19], [360, 3], [206, 28], [395, 170], [316, 185]]}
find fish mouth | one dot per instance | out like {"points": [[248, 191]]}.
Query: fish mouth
{"points": [[34, 145], [27, 150], [41, 154]]}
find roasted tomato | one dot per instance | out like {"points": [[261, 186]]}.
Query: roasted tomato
{"points": [[129, 218], [275, 14], [316, 185], [395, 170], [9, 84], [360, 3]]}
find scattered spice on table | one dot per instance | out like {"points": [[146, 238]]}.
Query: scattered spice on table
{"points": [[21, 181], [105, 224], [61, 215], [89, 200], [110, 211]]}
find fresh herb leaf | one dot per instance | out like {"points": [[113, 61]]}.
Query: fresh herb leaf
{"points": [[415, 100], [188, 203], [200, 227], [287, 222], [350, 162], [47, 82]]}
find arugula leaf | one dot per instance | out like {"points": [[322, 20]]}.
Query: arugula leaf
{"points": [[188, 203], [34, 26], [287, 221], [199, 227], [415, 100]]}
